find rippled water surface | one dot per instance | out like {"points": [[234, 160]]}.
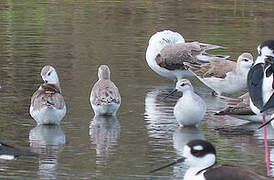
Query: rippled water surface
{"points": [[76, 37]]}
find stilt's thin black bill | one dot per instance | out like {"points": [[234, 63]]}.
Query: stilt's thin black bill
{"points": [[266, 123], [167, 165], [172, 92]]}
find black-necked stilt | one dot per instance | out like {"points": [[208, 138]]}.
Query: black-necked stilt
{"points": [[200, 156], [8, 152], [260, 81], [167, 51]]}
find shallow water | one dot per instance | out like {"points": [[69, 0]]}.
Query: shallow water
{"points": [[76, 37]]}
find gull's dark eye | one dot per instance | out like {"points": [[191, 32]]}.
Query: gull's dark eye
{"points": [[183, 84], [49, 73], [245, 60]]}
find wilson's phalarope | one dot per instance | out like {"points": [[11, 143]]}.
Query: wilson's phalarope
{"points": [[167, 51], [223, 75], [190, 109], [105, 98], [239, 107], [47, 103], [200, 156]]}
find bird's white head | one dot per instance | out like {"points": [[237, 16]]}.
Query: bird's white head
{"points": [[199, 154], [184, 85], [49, 75], [245, 62], [103, 72], [266, 48]]}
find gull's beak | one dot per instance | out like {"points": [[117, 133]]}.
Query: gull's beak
{"points": [[172, 92], [266, 123], [170, 164]]}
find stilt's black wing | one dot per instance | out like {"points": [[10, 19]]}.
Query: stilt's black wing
{"points": [[268, 104], [254, 84], [9, 150]]}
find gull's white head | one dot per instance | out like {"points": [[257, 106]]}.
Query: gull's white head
{"points": [[184, 85], [245, 61], [103, 72], [199, 153], [49, 75]]}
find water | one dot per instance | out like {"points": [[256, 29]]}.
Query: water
{"points": [[76, 37]]}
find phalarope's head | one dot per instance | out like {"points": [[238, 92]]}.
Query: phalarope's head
{"points": [[245, 61], [103, 72], [183, 85], [49, 75]]}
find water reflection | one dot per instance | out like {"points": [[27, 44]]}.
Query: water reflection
{"points": [[270, 138], [181, 136], [48, 141], [104, 132], [159, 112]]}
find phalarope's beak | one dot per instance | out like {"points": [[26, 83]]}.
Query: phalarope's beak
{"points": [[172, 92]]}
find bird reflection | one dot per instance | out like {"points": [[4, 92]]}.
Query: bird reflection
{"points": [[104, 132], [181, 136], [159, 111], [270, 137], [251, 141], [48, 141]]}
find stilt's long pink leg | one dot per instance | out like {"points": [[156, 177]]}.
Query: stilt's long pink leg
{"points": [[267, 158]]}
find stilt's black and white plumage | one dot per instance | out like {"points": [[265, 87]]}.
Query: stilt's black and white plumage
{"points": [[200, 155], [260, 81], [8, 152]]}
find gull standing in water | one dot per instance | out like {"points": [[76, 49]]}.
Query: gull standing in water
{"points": [[190, 109], [167, 51], [105, 98], [47, 103], [223, 76]]}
